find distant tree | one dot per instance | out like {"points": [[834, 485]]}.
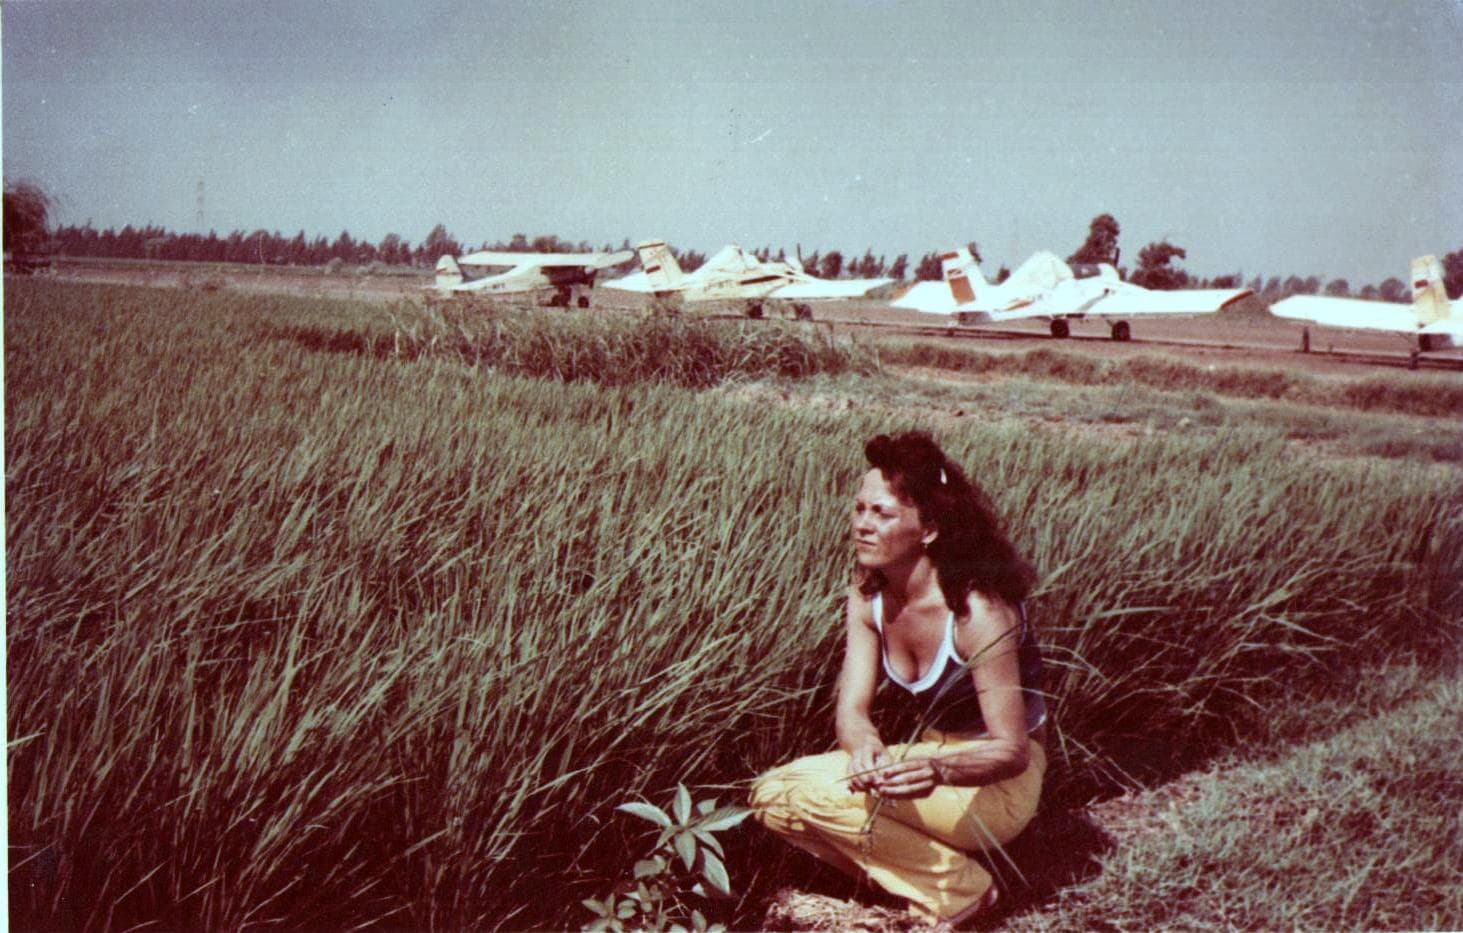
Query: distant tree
{"points": [[811, 263], [832, 266], [438, 243], [392, 250], [1339, 288], [27, 216], [691, 260], [1393, 289], [1101, 244], [518, 244], [1369, 292], [929, 269], [900, 267], [1312, 284], [1452, 273], [1154, 270], [1226, 281], [1272, 287]]}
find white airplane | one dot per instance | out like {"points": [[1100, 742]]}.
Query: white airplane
{"points": [[1436, 322], [736, 275], [570, 275], [1045, 288]]}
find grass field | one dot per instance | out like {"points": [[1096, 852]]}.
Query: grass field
{"points": [[323, 614]]}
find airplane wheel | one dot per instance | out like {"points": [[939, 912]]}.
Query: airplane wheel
{"points": [[754, 310], [1121, 331], [583, 301], [802, 312], [1060, 330]]}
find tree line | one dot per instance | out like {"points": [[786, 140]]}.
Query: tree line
{"points": [[26, 230]]}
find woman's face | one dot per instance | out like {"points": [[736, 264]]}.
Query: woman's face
{"points": [[886, 527]]}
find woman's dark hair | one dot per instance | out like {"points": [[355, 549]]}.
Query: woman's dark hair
{"points": [[971, 551]]}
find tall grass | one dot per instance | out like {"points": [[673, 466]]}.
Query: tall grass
{"points": [[323, 639], [590, 347]]}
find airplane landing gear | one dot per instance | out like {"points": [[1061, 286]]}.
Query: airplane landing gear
{"points": [[1060, 329], [1121, 331], [754, 310]]}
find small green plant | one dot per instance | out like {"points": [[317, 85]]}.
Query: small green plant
{"points": [[686, 858]]}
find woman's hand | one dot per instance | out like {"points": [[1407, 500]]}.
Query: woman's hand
{"points": [[863, 764], [912, 777]]}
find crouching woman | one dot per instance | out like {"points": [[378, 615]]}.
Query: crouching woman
{"points": [[936, 605]]}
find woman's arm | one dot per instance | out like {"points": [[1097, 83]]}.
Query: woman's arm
{"points": [[856, 683], [988, 639]]}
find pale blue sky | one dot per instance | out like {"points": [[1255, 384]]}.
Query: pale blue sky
{"points": [[1265, 137]]}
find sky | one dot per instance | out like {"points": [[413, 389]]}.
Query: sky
{"points": [[1311, 138]]}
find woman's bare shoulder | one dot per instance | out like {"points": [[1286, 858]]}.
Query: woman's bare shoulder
{"points": [[860, 606], [986, 619]]}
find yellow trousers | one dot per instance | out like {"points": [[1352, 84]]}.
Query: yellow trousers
{"points": [[915, 848]]}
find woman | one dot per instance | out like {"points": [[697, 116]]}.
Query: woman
{"points": [[936, 604]]}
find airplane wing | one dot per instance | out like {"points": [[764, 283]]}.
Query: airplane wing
{"points": [[831, 288], [1355, 313], [1132, 300], [586, 260]]}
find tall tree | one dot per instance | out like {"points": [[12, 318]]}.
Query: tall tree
{"points": [[1393, 289], [1338, 288], [1453, 273], [1101, 244], [832, 266], [1154, 270], [27, 216], [438, 243], [929, 269], [900, 267]]}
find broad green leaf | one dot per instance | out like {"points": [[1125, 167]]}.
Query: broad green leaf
{"points": [[725, 818], [598, 907], [698, 920], [626, 910], [715, 872], [686, 848], [706, 806], [598, 925], [646, 811], [647, 867], [682, 808], [710, 840]]}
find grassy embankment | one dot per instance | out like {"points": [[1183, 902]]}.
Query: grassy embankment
{"points": [[324, 638]]}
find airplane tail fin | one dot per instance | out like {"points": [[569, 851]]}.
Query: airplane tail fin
{"points": [[958, 266], [449, 274], [1429, 297], [659, 265]]}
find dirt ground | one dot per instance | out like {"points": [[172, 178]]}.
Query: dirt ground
{"points": [[1244, 337]]}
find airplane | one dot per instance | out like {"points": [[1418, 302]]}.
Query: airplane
{"points": [[570, 275], [1044, 287], [734, 274], [1436, 322]]}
